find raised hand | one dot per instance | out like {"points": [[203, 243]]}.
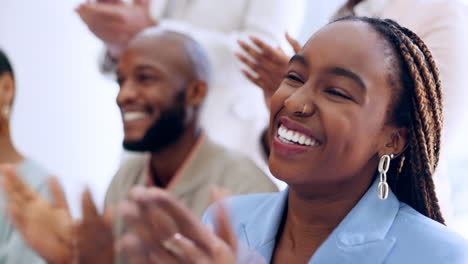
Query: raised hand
{"points": [[116, 22], [45, 226], [49, 229], [268, 64], [94, 238], [163, 231]]}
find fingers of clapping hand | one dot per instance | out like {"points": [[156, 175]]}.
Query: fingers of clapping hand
{"points": [[261, 68], [140, 224], [17, 192], [58, 195], [253, 52], [224, 229], [89, 247], [186, 222], [166, 232], [253, 65], [90, 212], [276, 56], [100, 12], [144, 238], [132, 249], [256, 80], [184, 249], [294, 43]]}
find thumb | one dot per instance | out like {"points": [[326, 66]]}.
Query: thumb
{"points": [[224, 229], [294, 43], [218, 193], [58, 194], [108, 215], [88, 206]]}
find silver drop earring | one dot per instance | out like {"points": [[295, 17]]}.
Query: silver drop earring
{"points": [[384, 165]]}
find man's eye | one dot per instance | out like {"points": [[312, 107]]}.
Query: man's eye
{"points": [[293, 78], [145, 77]]}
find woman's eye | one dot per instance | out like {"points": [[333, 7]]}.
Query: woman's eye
{"points": [[293, 78], [339, 94]]}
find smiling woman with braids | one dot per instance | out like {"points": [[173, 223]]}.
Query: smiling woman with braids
{"points": [[358, 111]]}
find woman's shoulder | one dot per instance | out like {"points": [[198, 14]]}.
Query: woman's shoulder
{"points": [[426, 240]]}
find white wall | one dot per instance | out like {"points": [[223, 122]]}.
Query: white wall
{"points": [[65, 115]]}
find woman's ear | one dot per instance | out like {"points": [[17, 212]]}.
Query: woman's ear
{"points": [[196, 93], [7, 89], [396, 142]]}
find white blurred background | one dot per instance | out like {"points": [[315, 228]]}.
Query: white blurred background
{"points": [[65, 116]]}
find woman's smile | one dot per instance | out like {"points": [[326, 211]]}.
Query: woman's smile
{"points": [[292, 138]]}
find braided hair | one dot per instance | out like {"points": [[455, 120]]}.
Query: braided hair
{"points": [[417, 105]]}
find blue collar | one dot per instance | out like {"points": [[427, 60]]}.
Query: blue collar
{"points": [[361, 235]]}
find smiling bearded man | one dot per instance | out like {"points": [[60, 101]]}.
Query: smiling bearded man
{"points": [[163, 78]]}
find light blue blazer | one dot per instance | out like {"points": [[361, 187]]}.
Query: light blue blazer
{"points": [[373, 232]]}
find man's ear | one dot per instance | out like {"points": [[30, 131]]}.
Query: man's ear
{"points": [[395, 142], [7, 89], [196, 93]]}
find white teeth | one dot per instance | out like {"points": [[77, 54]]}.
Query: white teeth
{"points": [[302, 140], [282, 130], [291, 137], [296, 137], [131, 116]]}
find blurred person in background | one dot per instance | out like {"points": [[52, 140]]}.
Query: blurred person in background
{"points": [[163, 78], [12, 248], [234, 114], [441, 24]]}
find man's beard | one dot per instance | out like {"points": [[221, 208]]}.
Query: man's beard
{"points": [[164, 132]]}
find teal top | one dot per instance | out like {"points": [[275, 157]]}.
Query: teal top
{"points": [[13, 250]]}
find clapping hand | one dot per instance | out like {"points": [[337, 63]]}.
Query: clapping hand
{"points": [[45, 226], [268, 64], [116, 22], [49, 228], [163, 231]]}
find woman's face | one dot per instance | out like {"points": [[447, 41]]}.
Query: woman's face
{"points": [[7, 90], [329, 116]]}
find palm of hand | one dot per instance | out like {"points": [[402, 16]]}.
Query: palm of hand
{"points": [[41, 220], [49, 229], [116, 24], [45, 226]]}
